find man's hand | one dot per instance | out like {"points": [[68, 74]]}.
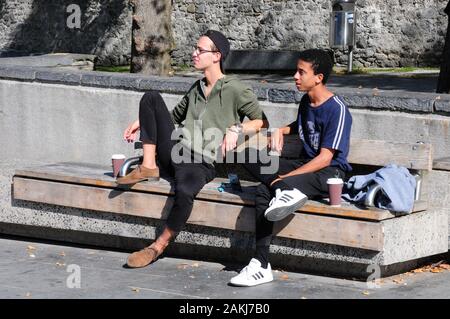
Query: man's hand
{"points": [[276, 140], [131, 131], [229, 142]]}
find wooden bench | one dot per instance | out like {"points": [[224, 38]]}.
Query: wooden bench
{"points": [[262, 60], [368, 230]]}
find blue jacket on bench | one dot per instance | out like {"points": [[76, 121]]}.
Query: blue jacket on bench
{"points": [[397, 188]]}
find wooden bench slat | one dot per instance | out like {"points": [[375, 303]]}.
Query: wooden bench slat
{"points": [[97, 175], [376, 152], [349, 210], [364, 151], [442, 164], [330, 230]]}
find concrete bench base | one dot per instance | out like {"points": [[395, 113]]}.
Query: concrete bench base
{"points": [[205, 243]]}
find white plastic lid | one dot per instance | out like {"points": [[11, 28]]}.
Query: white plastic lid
{"points": [[335, 181]]}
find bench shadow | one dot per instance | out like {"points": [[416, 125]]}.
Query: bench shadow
{"points": [[109, 174]]}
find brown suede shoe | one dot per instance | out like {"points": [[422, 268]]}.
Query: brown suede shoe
{"points": [[139, 174], [144, 257]]}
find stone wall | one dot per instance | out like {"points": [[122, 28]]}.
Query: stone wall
{"points": [[393, 33], [40, 26]]}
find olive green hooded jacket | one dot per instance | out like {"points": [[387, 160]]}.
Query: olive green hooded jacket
{"points": [[204, 121]]}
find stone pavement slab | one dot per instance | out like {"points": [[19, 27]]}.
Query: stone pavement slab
{"points": [[39, 270]]}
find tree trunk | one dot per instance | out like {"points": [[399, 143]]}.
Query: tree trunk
{"points": [[444, 75], [152, 39]]}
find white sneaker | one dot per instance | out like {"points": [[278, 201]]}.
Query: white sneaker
{"points": [[253, 274], [284, 203]]}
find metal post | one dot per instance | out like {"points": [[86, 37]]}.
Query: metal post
{"points": [[350, 59]]}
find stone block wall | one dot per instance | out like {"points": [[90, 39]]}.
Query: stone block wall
{"points": [[390, 33]]}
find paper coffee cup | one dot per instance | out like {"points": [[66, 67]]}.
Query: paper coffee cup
{"points": [[335, 190], [117, 162]]}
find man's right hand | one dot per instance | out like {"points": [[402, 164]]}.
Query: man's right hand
{"points": [[131, 131], [276, 140]]}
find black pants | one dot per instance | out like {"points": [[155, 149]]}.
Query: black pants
{"points": [[313, 185], [156, 128]]}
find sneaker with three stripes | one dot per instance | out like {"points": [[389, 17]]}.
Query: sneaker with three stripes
{"points": [[284, 203], [253, 274]]}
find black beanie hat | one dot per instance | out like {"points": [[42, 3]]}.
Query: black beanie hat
{"points": [[221, 42]]}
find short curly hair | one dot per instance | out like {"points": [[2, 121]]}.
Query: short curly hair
{"points": [[321, 61]]}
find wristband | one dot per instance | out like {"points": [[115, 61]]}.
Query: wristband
{"points": [[237, 128]]}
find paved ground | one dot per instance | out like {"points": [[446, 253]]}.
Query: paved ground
{"points": [[31, 269]]}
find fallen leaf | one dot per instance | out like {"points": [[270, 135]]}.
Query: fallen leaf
{"points": [[31, 247], [263, 81], [60, 264], [284, 277], [417, 270], [182, 266], [62, 253], [444, 266], [398, 281], [135, 289], [366, 293], [195, 265], [436, 270]]}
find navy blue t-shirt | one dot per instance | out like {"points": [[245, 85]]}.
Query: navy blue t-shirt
{"points": [[327, 125]]}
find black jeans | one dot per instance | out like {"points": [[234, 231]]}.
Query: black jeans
{"points": [[156, 128], [313, 185]]}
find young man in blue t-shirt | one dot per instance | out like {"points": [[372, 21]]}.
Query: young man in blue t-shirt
{"points": [[323, 124]]}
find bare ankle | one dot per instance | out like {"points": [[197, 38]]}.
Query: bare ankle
{"points": [[149, 166]]}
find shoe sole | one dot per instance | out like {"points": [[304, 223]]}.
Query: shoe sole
{"points": [[251, 285], [280, 213], [149, 179]]}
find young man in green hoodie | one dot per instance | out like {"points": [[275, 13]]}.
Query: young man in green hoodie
{"points": [[211, 114]]}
